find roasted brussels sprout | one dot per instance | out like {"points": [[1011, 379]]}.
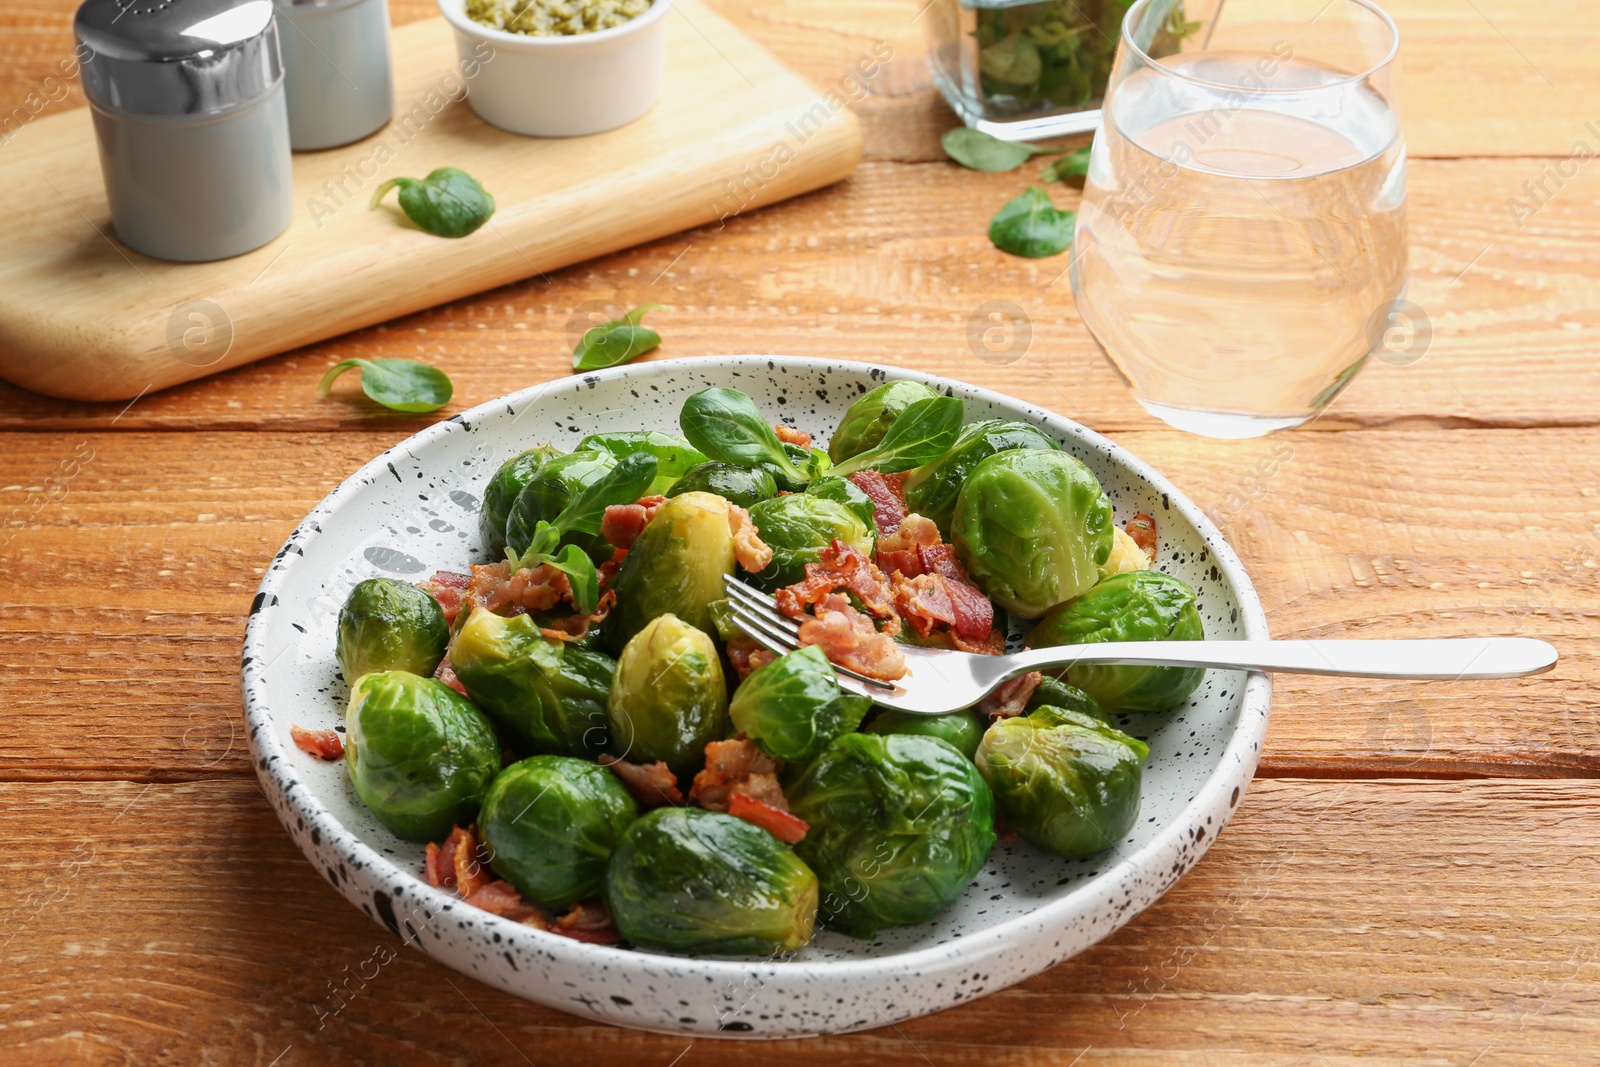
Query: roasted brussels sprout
{"points": [[931, 489], [1032, 527], [960, 728], [677, 567], [844, 491], [793, 707], [1054, 693], [502, 491], [899, 825], [1065, 781], [550, 699], [1135, 606], [685, 880], [797, 528], [419, 754], [551, 823], [870, 417], [675, 457], [1126, 555], [389, 625], [668, 698], [555, 484], [744, 486]]}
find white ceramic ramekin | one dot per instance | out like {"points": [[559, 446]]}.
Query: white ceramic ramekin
{"points": [[563, 86]]}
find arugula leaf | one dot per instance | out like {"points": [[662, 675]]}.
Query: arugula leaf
{"points": [[611, 344], [447, 203], [397, 384], [1030, 225], [725, 424], [923, 432], [580, 572], [1071, 165], [980, 151]]}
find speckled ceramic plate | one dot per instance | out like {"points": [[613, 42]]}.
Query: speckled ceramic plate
{"points": [[414, 509]]}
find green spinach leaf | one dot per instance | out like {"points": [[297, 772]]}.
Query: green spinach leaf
{"points": [[611, 344], [980, 151], [397, 384], [622, 484], [1032, 226], [923, 432], [447, 203], [725, 424], [1071, 165]]}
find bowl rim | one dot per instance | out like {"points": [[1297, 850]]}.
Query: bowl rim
{"points": [[455, 13], [1235, 764]]}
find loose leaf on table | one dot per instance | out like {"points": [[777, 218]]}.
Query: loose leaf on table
{"points": [[725, 424], [1032, 226], [447, 203], [397, 384], [1071, 165], [613, 343], [981, 151], [924, 431]]}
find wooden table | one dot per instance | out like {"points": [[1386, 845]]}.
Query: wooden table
{"points": [[1413, 876]]}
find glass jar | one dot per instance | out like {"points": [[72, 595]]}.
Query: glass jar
{"points": [[339, 78], [1020, 69]]}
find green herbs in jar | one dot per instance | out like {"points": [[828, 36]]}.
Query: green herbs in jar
{"points": [[555, 18]]}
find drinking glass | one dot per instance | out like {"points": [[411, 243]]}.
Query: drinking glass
{"points": [[1242, 238]]}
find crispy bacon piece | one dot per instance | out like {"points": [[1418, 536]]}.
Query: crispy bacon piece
{"points": [[1011, 697], [888, 497], [538, 589], [932, 588], [622, 524], [1142, 528], [323, 744], [790, 829], [576, 627], [588, 921], [736, 765], [653, 785], [752, 553], [608, 570], [502, 899], [448, 588], [841, 568], [456, 864], [849, 639], [447, 674], [747, 656], [791, 436]]}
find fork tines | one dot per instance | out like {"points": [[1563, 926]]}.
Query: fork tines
{"points": [[758, 615]]}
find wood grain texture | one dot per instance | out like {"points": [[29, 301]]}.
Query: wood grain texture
{"points": [[83, 316], [1333, 922]]}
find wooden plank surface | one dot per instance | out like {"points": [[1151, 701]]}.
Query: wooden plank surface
{"points": [[1410, 879]]}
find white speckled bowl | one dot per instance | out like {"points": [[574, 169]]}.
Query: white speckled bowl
{"points": [[414, 509]]}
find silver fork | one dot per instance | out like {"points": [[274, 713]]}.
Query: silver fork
{"points": [[938, 681]]}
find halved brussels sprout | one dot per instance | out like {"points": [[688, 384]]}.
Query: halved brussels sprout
{"points": [[844, 491], [1126, 555], [870, 417], [1054, 693], [420, 755], [1134, 606], [501, 493], [389, 625], [797, 528], [793, 707], [960, 728], [685, 880], [1032, 527], [549, 698], [1065, 781], [677, 567], [899, 826], [744, 486], [668, 698], [675, 457], [931, 489], [555, 484], [551, 823]]}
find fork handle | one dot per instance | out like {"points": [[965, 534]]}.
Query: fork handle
{"points": [[1442, 658]]}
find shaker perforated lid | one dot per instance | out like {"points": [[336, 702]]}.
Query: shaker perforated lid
{"points": [[178, 57]]}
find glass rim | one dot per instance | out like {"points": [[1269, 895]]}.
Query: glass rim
{"points": [[1388, 57]]}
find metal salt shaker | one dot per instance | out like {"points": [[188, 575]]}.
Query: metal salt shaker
{"points": [[189, 111], [340, 81]]}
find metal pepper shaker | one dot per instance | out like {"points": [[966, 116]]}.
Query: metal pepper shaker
{"points": [[340, 81], [189, 112]]}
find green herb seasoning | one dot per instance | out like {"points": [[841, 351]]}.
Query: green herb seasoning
{"points": [[554, 18]]}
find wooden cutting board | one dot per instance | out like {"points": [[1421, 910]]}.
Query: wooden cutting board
{"points": [[84, 317]]}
